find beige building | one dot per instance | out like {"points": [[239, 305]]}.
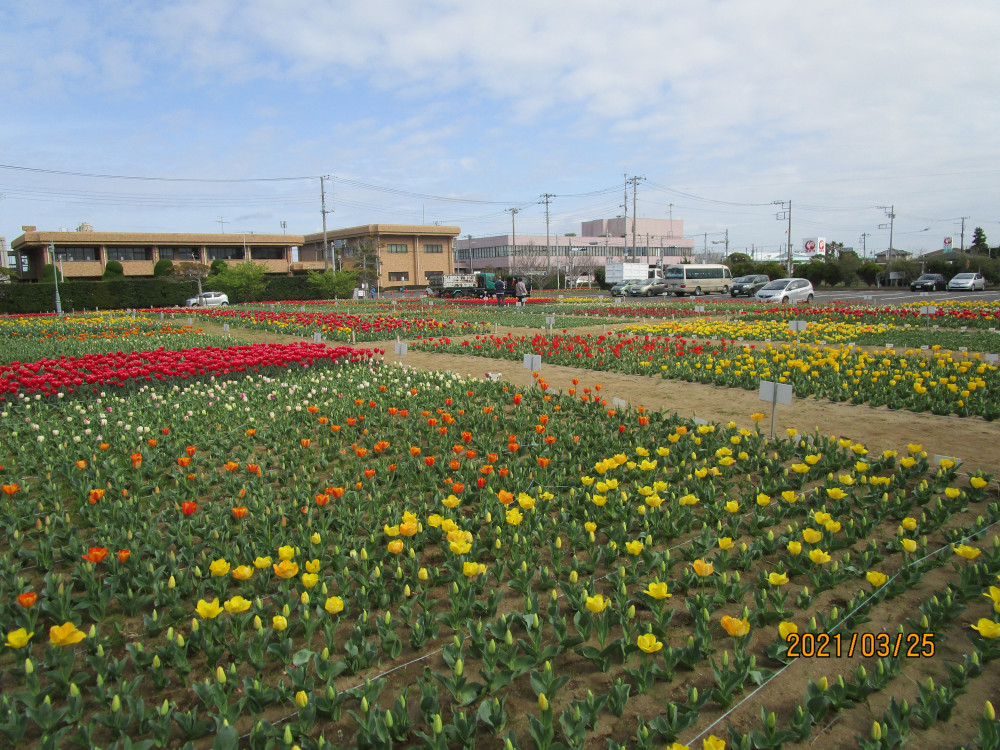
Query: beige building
{"points": [[406, 255]]}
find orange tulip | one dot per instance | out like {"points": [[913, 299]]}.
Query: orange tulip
{"points": [[239, 512], [96, 554]]}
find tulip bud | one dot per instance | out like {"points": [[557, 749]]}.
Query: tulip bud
{"points": [[257, 624], [771, 721], [630, 613], [573, 576], [459, 667], [876, 731], [389, 721], [406, 590], [301, 699], [220, 675], [364, 704], [988, 712], [74, 691], [29, 668], [437, 724], [508, 638], [171, 583], [164, 708], [287, 738], [543, 702], [116, 703], [823, 683]]}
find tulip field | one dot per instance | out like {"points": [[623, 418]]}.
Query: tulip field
{"points": [[215, 541]]}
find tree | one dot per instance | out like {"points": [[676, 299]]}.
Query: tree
{"points": [[163, 267], [241, 283], [218, 266], [740, 264], [192, 270], [366, 261], [834, 249], [848, 264], [869, 272], [333, 284], [979, 245], [113, 270]]}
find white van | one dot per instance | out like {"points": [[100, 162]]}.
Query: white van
{"points": [[692, 278]]}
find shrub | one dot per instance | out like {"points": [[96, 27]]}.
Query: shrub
{"points": [[113, 270], [218, 266], [163, 267]]}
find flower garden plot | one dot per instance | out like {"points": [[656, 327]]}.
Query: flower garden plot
{"points": [[27, 338], [64, 375], [282, 540], [940, 382]]}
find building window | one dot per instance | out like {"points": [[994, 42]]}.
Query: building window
{"points": [[225, 253], [130, 253], [399, 275], [179, 253], [396, 248], [267, 253], [433, 248], [428, 275], [71, 254]]}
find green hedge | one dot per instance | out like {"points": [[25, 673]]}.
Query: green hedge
{"points": [[128, 293]]}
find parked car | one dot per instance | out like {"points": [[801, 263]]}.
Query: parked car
{"points": [[929, 282], [208, 299], [786, 290], [748, 286], [579, 282], [621, 288], [647, 288], [967, 282]]}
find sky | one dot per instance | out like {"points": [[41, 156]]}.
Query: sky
{"points": [[221, 115]]}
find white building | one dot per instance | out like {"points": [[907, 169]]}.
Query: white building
{"points": [[658, 242]]}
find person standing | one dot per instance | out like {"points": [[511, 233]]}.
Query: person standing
{"points": [[520, 291], [498, 289]]}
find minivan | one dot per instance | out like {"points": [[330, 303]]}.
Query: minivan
{"points": [[693, 278]]}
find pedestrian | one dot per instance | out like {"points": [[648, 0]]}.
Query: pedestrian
{"points": [[371, 292], [520, 291], [498, 289]]}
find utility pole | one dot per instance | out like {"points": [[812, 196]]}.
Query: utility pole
{"points": [[635, 187], [326, 244], [513, 239], [222, 222], [963, 218], [546, 197], [890, 211], [625, 255], [786, 213], [469, 238], [55, 276], [284, 226], [864, 244]]}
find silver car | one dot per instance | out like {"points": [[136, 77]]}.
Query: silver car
{"points": [[786, 290], [967, 282], [647, 288], [208, 299]]}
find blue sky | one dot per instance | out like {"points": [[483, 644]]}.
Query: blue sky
{"points": [[447, 111]]}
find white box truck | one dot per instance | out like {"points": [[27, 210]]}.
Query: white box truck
{"points": [[615, 272]]}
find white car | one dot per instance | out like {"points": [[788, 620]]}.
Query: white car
{"points": [[786, 290], [208, 299], [967, 282]]}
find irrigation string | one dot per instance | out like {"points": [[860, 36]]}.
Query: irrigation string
{"points": [[861, 606]]}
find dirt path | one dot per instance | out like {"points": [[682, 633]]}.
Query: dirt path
{"points": [[974, 441]]}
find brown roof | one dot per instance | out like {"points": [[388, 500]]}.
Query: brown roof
{"points": [[152, 238]]}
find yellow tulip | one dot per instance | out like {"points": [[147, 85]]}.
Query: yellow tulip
{"points": [[262, 562], [236, 605], [658, 590], [702, 568], [597, 603], [279, 622], [18, 638], [219, 568], [818, 556], [987, 628], [909, 545], [648, 643], [242, 572], [876, 579], [634, 547], [67, 634], [285, 569], [786, 629], [286, 552], [969, 553], [811, 535], [736, 628], [794, 548], [309, 580], [777, 579], [208, 610], [725, 542]]}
